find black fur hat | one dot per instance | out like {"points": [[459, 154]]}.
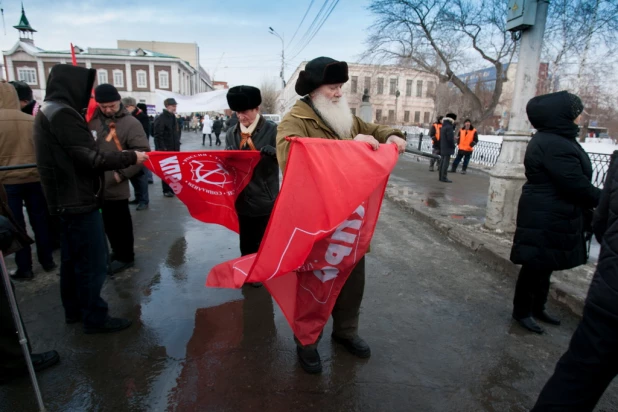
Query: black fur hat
{"points": [[241, 98], [320, 71]]}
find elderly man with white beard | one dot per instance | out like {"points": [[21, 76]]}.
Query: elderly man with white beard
{"points": [[323, 112]]}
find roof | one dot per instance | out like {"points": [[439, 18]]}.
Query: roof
{"points": [[24, 24]]}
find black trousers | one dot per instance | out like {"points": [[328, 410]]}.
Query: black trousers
{"points": [[530, 292], [119, 229], [591, 362], [218, 142], [204, 138], [444, 163], [11, 354], [252, 230]]}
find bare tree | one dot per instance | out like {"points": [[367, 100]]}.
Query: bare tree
{"points": [[445, 37], [270, 96]]}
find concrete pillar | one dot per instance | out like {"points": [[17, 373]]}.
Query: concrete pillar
{"points": [[127, 75], [42, 75], [151, 72], [10, 70]]}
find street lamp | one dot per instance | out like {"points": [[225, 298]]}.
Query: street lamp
{"points": [[397, 94], [274, 33]]}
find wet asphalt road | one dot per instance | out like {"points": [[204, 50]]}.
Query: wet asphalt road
{"points": [[438, 322]]}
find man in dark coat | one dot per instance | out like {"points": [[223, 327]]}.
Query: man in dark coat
{"points": [[591, 362], [72, 169], [253, 132], [447, 144], [26, 101], [434, 134], [140, 180], [217, 127], [167, 135], [555, 199], [232, 121]]}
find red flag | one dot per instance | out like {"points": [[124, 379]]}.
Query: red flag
{"points": [[321, 226], [73, 58], [92, 104], [207, 182]]}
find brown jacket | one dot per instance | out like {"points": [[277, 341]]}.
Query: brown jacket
{"points": [[131, 136], [302, 121], [16, 139]]}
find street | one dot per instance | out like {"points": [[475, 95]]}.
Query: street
{"points": [[438, 322]]}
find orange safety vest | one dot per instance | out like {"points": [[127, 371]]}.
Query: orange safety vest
{"points": [[466, 137], [437, 126]]}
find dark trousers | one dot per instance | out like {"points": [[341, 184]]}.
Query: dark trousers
{"points": [[218, 142], [31, 194], [11, 354], [531, 292], [119, 229], [347, 307], [466, 159], [140, 185], [444, 162], [204, 138], [433, 161], [84, 267], [252, 230], [166, 187]]}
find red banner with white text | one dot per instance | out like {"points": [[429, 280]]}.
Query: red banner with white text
{"points": [[320, 228], [207, 182]]}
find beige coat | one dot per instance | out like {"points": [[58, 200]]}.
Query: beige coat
{"points": [[16, 139]]}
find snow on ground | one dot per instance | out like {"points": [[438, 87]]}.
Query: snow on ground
{"points": [[592, 145]]}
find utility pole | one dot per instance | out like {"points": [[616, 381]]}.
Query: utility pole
{"points": [[281, 74], [526, 19]]}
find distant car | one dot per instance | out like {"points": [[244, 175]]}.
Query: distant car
{"points": [[273, 118]]}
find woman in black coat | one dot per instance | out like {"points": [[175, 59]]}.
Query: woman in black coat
{"points": [[556, 200]]}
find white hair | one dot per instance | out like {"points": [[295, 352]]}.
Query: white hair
{"points": [[336, 114]]}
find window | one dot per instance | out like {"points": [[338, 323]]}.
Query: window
{"points": [[164, 80], [378, 115], [380, 85], [391, 116], [417, 117], [102, 76], [430, 89], [368, 84], [354, 84], [353, 110], [393, 88], [406, 116], [118, 78], [408, 87], [27, 75], [142, 83], [419, 88], [426, 118]]}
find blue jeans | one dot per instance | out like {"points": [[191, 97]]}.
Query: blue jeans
{"points": [[466, 159], [31, 194], [84, 267], [140, 185]]}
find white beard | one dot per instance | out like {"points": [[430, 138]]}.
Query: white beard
{"points": [[337, 115]]}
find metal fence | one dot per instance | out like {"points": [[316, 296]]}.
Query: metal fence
{"points": [[486, 153]]}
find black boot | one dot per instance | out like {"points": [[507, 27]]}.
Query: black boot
{"points": [[356, 346], [309, 360], [543, 316], [111, 325], [530, 324]]}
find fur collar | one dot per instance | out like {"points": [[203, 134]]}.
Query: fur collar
{"points": [[449, 119]]}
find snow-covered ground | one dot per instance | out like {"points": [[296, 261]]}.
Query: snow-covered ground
{"points": [[592, 145]]}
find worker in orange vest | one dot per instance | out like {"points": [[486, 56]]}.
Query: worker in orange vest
{"points": [[468, 138], [434, 133]]}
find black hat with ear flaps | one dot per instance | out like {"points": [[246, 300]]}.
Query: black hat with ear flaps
{"points": [[320, 71]]}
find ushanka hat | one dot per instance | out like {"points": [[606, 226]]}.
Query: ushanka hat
{"points": [[320, 71], [452, 116], [241, 98]]}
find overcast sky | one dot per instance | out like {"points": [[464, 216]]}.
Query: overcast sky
{"points": [[238, 28]]}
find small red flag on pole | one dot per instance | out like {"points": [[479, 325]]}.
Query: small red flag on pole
{"points": [[92, 104], [73, 58]]}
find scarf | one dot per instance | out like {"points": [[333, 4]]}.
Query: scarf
{"points": [[246, 132]]}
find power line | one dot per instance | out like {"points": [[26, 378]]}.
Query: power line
{"points": [[315, 19], [301, 23], [318, 29]]}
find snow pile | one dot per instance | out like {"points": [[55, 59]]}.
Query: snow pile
{"points": [[592, 145]]}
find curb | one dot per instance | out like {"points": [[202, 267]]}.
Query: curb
{"points": [[567, 295]]}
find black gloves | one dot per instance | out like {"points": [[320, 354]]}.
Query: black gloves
{"points": [[269, 151]]}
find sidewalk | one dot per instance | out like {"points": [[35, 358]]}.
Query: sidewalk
{"points": [[458, 211]]}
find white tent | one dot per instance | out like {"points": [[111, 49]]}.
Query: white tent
{"points": [[202, 102]]}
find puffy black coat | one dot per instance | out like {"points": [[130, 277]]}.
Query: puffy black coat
{"points": [[258, 197], [143, 119], [558, 193], [166, 132], [447, 137], [217, 126], [69, 161]]}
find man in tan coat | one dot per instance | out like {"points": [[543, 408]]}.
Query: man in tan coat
{"points": [[323, 113], [115, 129], [23, 187]]}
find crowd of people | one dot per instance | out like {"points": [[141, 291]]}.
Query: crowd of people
{"points": [[84, 169]]}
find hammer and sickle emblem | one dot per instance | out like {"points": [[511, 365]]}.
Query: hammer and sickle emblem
{"points": [[200, 176]]}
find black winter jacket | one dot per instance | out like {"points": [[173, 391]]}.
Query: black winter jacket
{"points": [[217, 126], [258, 197], [447, 137], [68, 159], [558, 193], [167, 132], [143, 119]]}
